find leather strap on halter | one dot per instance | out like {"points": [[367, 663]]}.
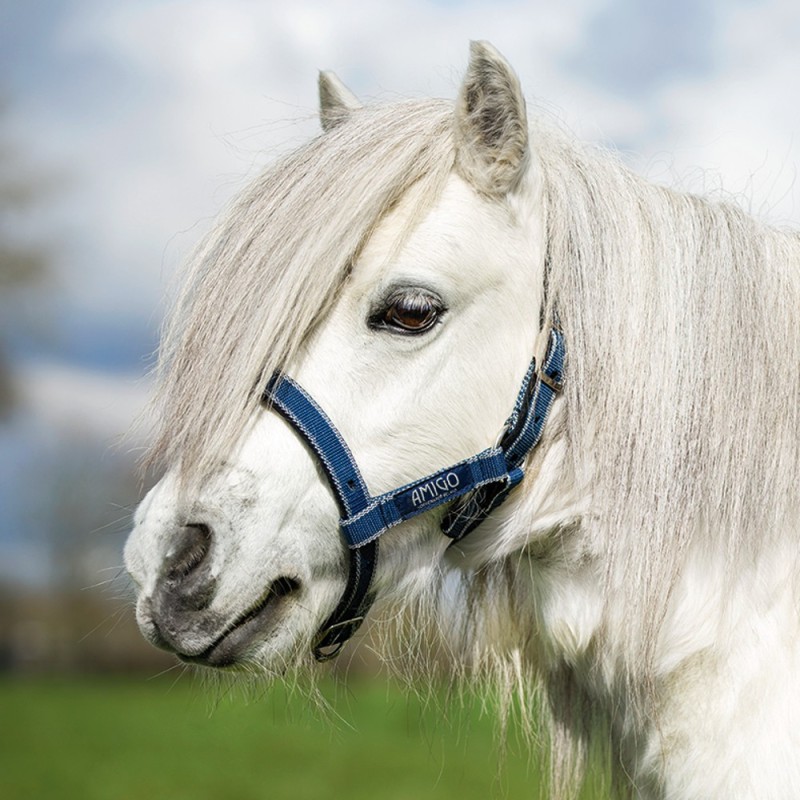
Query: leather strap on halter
{"points": [[478, 484]]}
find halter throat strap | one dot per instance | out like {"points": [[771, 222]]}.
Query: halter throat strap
{"points": [[476, 486]]}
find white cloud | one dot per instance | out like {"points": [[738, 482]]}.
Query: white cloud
{"points": [[736, 128]]}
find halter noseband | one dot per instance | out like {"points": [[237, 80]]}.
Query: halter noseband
{"points": [[478, 484]]}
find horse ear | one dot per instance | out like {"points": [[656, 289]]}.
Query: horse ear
{"points": [[491, 125], [336, 101]]}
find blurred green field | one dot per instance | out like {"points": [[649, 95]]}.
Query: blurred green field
{"points": [[134, 739]]}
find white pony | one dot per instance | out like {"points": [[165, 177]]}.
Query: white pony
{"points": [[404, 267]]}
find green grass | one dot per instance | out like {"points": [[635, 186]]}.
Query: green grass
{"points": [[103, 739]]}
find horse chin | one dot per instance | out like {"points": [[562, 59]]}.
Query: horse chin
{"points": [[247, 639], [268, 635]]}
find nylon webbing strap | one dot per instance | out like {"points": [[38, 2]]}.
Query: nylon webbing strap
{"points": [[389, 509], [352, 497], [477, 485], [353, 605], [523, 430], [364, 518], [308, 419]]}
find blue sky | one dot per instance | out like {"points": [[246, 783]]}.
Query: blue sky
{"points": [[153, 112]]}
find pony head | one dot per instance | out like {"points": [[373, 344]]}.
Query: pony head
{"points": [[394, 266]]}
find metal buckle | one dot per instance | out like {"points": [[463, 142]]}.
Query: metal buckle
{"points": [[555, 385], [321, 657], [319, 654]]}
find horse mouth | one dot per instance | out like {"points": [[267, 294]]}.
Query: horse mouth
{"points": [[236, 641]]}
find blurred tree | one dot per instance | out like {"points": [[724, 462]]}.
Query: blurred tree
{"points": [[22, 263]]}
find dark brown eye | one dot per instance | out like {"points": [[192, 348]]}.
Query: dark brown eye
{"points": [[408, 312]]}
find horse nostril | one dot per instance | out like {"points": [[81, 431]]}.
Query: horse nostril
{"points": [[187, 583], [188, 552]]}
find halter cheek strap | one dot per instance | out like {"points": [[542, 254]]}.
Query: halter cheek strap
{"points": [[478, 484]]}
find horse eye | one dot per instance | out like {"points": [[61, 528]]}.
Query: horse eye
{"points": [[408, 312]]}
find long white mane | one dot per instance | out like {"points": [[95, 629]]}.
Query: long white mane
{"points": [[682, 318], [270, 268]]}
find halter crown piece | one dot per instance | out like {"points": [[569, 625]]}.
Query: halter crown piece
{"points": [[478, 485]]}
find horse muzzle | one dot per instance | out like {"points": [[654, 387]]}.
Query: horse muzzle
{"points": [[178, 615]]}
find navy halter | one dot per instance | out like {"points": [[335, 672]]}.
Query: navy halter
{"points": [[478, 484]]}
